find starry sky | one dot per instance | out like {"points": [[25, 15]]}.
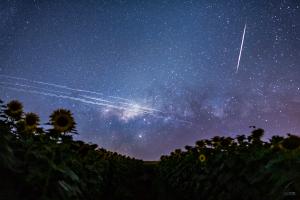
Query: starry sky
{"points": [[145, 77]]}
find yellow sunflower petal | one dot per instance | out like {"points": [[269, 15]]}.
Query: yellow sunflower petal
{"points": [[202, 158]]}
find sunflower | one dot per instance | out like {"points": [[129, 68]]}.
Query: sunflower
{"points": [[202, 158], [216, 141], [31, 121], [62, 121], [257, 134], [292, 142], [200, 144], [14, 109]]}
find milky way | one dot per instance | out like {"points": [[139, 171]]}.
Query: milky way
{"points": [[145, 77]]}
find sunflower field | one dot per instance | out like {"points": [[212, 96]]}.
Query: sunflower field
{"points": [[226, 168], [47, 164]]}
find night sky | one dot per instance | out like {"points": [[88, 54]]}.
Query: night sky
{"points": [[145, 77]]}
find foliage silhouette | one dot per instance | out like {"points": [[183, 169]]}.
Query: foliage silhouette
{"points": [[235, 168], [48, 164]]}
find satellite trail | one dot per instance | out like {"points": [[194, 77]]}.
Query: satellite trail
{"points": [[241, 49], [124, 105]]}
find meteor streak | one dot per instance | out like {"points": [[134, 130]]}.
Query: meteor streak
{"points": [[241, 49]]}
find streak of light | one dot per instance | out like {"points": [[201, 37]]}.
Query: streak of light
{"points": [[132, 109], [124, 103], [128, 102], [61, 86], [30, 86], [65, 97], [241, 49], [129, 109], [125, 106]]}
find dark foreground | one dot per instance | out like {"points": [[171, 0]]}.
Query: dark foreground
{"points": [[39, 163]]}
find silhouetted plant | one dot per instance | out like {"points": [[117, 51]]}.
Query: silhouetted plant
{"points": [[236, 168], [48, 164], [292, 142], [62, 121], [14, 110]]}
